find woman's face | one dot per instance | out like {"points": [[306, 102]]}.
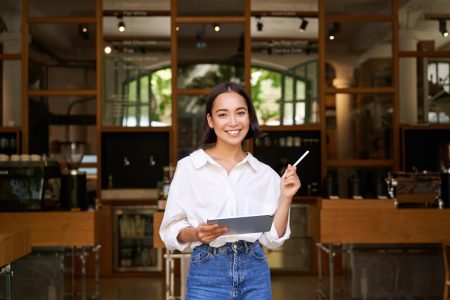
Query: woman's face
{"points": [[229, 118]]}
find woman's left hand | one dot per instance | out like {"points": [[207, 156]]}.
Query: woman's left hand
{"points": [[290, 183]]}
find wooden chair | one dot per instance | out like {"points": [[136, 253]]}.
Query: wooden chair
{"points": [[446, 256]]}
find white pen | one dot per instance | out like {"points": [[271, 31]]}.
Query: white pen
{"points": [[299, 160]]}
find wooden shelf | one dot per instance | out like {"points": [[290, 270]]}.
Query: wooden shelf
{"points": [[62, 20], [427, 126], [10, 129], [11, 56], [360, 163], [120, 129], [61, 92], [362, 90], [303, 127]]}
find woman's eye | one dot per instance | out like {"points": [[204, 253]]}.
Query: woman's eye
{"points": [[222, 115], [241, 113]]}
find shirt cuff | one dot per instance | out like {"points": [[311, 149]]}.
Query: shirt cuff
{"points": [[174, 244], [271, 239]]}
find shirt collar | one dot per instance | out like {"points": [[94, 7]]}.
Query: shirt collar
{"points": [[199, 158]]}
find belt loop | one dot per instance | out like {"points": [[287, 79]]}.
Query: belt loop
{"points": [[247, 246]]}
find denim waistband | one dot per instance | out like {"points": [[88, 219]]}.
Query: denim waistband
{"points": [[235, 247]]}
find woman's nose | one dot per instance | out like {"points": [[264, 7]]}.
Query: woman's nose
{"points": [[233, 120]]}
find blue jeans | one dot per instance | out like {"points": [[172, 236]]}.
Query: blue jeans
{"points": [[236, 270]]}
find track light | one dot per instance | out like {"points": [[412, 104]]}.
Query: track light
{"points": [[121, 24], [83, 31], [443, 27], [216, 27], [259, 24], [333, 31], [303, 25], [108, 49]]}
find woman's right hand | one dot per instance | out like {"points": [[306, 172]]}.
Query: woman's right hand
{"points": [[207, 233]]}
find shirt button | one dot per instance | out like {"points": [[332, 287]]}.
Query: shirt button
{"points": [[235, 246]]}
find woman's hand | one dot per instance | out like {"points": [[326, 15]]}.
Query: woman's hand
{"points": [[290, 183], [204, 233], [208, 232]]}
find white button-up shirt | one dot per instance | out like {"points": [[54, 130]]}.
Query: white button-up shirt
{"points": [[202, 189]]}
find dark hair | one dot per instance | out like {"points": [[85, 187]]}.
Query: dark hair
{"points": [[209, 136]]}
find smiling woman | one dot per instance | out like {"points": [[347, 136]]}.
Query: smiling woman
{"points": [[253, 189]]}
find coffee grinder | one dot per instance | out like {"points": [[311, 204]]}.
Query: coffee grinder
{"points": [[445, 175], [73, 181]]}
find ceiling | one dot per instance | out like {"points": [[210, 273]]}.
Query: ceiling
{"points": [[354, 39]]}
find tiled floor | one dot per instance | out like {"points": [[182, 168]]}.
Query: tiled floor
{"points": [[285, 287]]}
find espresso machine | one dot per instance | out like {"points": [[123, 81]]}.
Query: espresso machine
{"points": [[445, 175], [73, 181]]}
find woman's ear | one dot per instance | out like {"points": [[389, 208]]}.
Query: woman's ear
{"points": [[210, 122]]}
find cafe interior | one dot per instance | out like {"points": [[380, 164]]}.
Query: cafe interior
{"points": [[100, 99]]}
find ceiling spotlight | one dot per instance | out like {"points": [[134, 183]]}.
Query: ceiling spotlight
{"points": [[333, 31], [177, 28], [303, 25], [83, 31], [443, 27], [121, 24], [259, 24], [216, 27], [108, 49]]}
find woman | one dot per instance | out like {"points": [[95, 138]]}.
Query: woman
{"points": [[224, 181]]}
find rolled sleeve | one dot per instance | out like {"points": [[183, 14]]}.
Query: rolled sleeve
{"points": [[170, 233], [271, 239]]}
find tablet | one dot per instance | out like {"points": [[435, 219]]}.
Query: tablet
{"points": [[247, 224]]}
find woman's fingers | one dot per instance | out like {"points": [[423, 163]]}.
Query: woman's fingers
{"points": [[209, 232]]}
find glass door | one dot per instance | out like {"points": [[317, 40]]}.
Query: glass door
{"points": [[133, 239]]}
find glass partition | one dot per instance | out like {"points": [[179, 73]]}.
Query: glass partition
{"points": [[137, 74], [135, 95], [207, 57], [10, 93], [190, 111], [10, 27], [61, 8], [62, 56], [430, 101], [361, 53], [359, 126], [210, 8], [372, 8], [428, 31]]}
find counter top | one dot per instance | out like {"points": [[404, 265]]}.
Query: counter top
{"points": [[379, 221], [53, 229], [13, 245], [129, 194]]}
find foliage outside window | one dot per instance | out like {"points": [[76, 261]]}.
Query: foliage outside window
{"points": [[148, 100], [280, 98]]}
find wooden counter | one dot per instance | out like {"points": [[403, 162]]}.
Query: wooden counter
{"points": [[53, 229], [13, 245], [380, 222]]}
